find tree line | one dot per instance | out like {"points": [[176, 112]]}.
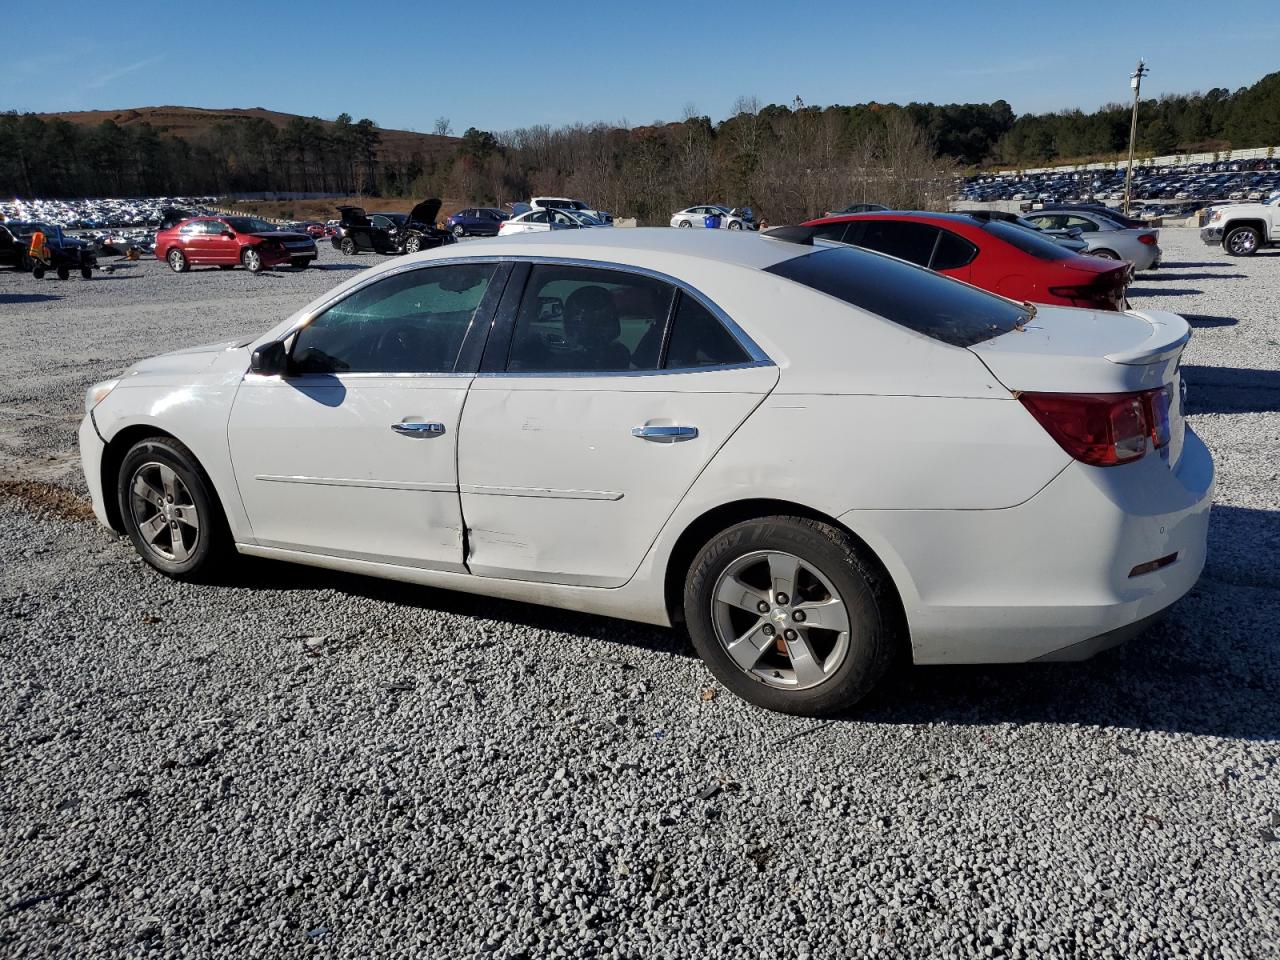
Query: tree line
{"points": [[786, 161]]}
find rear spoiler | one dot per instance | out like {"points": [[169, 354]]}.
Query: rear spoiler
{"points": [[1169, 336]]}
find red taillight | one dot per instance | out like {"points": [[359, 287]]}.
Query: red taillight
{"points": [[1148, 238], [1104, 429]]}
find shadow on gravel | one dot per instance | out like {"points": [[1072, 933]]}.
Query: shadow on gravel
{"points": [[1203, 320], [337, 266], [1231, 390], [1164, 292], [27, 297], [1209, 668], [1176, 265], [1194, 276]]}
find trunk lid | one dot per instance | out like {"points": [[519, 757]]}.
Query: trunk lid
{"points": [[1064, 350]]}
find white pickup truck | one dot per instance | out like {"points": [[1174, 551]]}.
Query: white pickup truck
{"points": [[1242, 228]]}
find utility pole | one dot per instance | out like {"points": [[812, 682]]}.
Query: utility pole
{"points": [[1135, 81]]}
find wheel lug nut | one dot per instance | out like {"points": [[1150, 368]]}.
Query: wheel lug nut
{"points": [[783, 599], [768, 630], [790, 634], [798, 616], [762, 607]]}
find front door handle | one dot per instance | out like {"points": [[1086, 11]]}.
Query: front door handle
{"points": [[664, 433], [416, 429]]}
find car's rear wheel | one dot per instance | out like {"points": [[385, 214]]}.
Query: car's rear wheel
{"points": [[177, 261], [1105, 254], [348, 246], [790, 615], [251, 259], [413, 244], [1241, 242], [459, 231], [169, 510]]}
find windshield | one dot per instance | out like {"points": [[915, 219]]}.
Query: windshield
{"points": [[910, 296], [1030, 240], [250, 225]]}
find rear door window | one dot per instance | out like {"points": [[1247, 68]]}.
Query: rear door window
{"points": [[918, 299], [904, 239], [952, 252], [698, 339]]}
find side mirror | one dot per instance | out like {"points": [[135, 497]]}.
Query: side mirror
{"points": [[269, 360], [229, 233]]}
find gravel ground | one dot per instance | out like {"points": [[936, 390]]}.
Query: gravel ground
{"points": [[304, 763]]}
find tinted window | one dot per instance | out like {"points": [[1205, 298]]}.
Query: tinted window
{"points": [[830, 231], [250, 225], [413, 322], [1084, 223], [899, 238], [952, 252], [583, 319], [1028, 241], [698, 339], [919, 300]]}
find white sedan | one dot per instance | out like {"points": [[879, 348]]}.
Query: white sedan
{"points": [[543, 221], [818, 458], [696, 217]]}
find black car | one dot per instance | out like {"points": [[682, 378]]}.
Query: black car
{"points": [[391, 233], [13, 252], [65, 253]]}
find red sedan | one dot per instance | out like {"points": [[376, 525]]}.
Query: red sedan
{"points": [[1004, 258], [228, 242]]}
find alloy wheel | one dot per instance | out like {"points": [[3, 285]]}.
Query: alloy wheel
{"points": [[413, 244], [253, 260], [176, 261], [1242, 241], [780, 620], [164, 511]]}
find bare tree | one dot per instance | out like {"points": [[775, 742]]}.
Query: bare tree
{"points": [[442, 127]]}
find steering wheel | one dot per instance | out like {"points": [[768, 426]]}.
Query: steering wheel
{"points": [[399, 344]]}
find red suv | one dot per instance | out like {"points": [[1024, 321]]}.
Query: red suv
{"points": [[1005, 258], [228, 241]]}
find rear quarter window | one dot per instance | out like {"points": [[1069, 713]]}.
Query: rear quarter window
{"points": [[912, 297], [1028, 241]]}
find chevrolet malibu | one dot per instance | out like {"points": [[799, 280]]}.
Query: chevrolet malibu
{"points": [[816, 457]]}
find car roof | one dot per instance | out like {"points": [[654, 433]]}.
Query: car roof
{"points": [[956, 218]]}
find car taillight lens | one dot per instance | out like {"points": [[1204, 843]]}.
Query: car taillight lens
{"points": [[1148, 238], [1104, 429]]}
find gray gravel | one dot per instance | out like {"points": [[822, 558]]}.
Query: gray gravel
{"points": [[307, 763]]}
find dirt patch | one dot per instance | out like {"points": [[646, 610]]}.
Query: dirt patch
{"points": [[47, 498]]}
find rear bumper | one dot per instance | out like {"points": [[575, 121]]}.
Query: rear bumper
{"points": [[1211, 235], [1050, 578]]}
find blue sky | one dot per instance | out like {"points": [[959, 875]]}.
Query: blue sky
{"points": [[499, 65]]}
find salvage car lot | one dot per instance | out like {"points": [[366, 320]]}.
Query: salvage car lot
{"points": [[308, 758]]}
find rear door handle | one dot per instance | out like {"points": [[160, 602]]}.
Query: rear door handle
{"points": [[664, 433], [416, 429]]}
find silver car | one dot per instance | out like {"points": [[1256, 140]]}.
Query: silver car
{"points": [[1104, 237], [729, 219]]}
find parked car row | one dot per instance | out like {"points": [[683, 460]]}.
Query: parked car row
{"points": [[811, 446], [1223, 180]]}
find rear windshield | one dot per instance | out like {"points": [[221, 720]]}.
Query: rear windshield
{"points": [[910, 296], [1027, 240]]}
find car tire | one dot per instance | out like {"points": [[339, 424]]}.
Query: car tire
{"points": [[251, 259], [38, 271], [161, 480], [177, 261], [413, 244], [86, 273], [459, 231], [684, 223], [64, 273], [1105, 254], [735, 225], [1241, 242], [300, 263], [793, 666], [348, 247]]}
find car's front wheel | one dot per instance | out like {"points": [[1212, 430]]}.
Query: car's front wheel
{"points": [[1242, 242], [790, 615], [685, 223], [177, 261], [735, 224], [251, 259], [413, 244], [169, 510]]}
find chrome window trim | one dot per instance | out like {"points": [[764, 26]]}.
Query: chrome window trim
{"points": [[612, 374], [758, 356]]}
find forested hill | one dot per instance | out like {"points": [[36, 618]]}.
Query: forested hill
{"points": [[184, 151]]}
